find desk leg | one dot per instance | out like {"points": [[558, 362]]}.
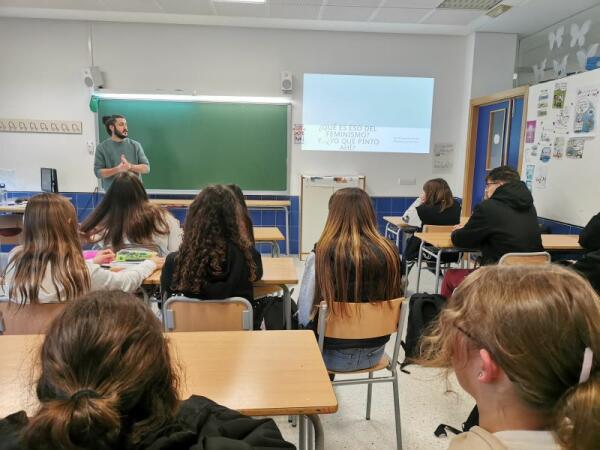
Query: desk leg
{"points": [[419, 261], [438, 262], [287, 306], [302, 433], [275, 249], [287, 230], [319, 436]]}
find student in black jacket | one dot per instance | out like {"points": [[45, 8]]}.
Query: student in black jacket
{"points": [[589, 264], [216, 258], [435, 206], [107, 381], [504, 222]]}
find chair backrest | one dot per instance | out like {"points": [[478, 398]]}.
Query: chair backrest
{"points": [[27, 319], [11, 228], [363, 321], [437, 228], [191, 314], [513, 259]]}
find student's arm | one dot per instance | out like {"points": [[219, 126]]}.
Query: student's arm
{"points": [[257, 263], [127, 280], [306, 296], [475, 231], [590, 236], [411, 216]]}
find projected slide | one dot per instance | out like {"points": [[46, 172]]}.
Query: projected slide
{"points": [[366, 113]]}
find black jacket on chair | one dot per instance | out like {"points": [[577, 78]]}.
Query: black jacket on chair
{"points": [[200, 424], [589, 264], [505, 223]]}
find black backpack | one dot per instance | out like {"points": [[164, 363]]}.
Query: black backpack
{"points": [[423, 310]]}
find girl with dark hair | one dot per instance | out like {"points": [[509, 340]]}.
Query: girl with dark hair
{"points": [[125, 216], [246, 222], [215, 260], [524, 342], [107, 381], [49, 266], [352, 262]]}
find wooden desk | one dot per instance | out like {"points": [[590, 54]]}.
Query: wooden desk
{"points": [[277, 273], [442, 242], [269, 235], [251, 204], [261, 373]]}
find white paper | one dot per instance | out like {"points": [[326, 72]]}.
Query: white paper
{"points": [[443, 157]]}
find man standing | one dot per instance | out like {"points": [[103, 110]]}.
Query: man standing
{"points": [[118, 153]]}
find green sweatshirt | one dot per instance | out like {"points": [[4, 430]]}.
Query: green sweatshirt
{"points": [[108, 155]]}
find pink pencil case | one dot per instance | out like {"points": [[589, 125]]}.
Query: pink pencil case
{"points": [[89, 254]]}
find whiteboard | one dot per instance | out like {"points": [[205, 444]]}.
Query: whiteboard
{"points": [[561, 162]]}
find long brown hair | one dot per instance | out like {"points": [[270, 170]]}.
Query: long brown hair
{"points": [[50, 239], [536, 322], [125, 212], [352, 253], [246, 222], [106, 380], [437, 192], [211, 224]]}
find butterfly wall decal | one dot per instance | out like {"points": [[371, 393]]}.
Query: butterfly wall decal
{"points": [[578, 33], [560, 68], [555, 38], [538, 70]]}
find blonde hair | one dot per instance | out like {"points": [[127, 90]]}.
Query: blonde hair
{"points": [[351, 252], [536, 322], [50, 239]]}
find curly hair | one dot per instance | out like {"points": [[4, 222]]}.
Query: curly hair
{"points": [[211, 224]]}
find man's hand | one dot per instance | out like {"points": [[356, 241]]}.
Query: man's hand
{"points": [[124, 166]]}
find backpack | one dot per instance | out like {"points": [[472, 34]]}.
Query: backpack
{"points": [[272, 310], [423, 310]]}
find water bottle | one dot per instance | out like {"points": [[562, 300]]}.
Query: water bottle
{"points": [[3, 194]]}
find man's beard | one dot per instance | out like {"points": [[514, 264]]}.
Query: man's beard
{"points": [[120, 135]]}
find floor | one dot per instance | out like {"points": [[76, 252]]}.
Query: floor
{"points": [[426, 400]]}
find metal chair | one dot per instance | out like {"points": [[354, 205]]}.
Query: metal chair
{"points": [[513, 259], [363, 321], [30, 318], [191, 314]]}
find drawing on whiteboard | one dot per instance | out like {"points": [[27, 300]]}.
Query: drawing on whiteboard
{"points": [[586, 106], [547, 135], [575, 148], [534, 150], [560, 92], [561, 119], [541, 177], [530, 132], [542, 105], [559, 147]]}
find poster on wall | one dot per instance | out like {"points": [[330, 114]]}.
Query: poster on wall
{"points": [[298, 134], [542, 106], [547, 135], [546, 154], [561, 119], [575, 147], [443, 157], [530, 132], [541, 177], [529, 172], [586, 107], [559, 147], [558, 98]]}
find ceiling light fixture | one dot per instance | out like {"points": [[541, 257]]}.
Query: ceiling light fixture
{"points": [[498, 11], [241, 1]]}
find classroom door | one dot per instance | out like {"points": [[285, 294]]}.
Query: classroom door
{"points": [[499, 131]]}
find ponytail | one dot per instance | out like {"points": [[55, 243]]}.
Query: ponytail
{"points": [[82, 421]]}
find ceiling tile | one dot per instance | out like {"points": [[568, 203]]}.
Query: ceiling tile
{"points": [[400, 15], [294, 11], [356, 14], [453, 17], [418, 4], [241, 9]]}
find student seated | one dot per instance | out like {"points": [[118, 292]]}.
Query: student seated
{"points": [[245, 221], [107, 381], [504, 222], [125, 216], [49, 265], [524, 342], [215, 260], [589, 264], [351, 262], [435, 206]]}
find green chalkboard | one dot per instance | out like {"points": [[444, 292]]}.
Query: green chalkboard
{"points": [[191, 145]]}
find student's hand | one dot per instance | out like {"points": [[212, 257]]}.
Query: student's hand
{"points": [[104, 256], [457, 227], [160, 262], [422, 197]]}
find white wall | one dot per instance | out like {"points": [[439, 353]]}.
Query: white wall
{"points": [[218, 61], [493, 63]]}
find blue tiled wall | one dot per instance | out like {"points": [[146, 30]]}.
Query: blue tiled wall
{"points": [[384, 206]]}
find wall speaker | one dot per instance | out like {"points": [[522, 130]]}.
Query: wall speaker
{"points": [[286, 81], [92, 77]]}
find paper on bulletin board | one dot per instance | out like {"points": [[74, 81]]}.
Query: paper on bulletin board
{"points": [[443, 157], [586, 109], [543, 100], [530, 131], [541, 176], [298, 133], [560, 93]]}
